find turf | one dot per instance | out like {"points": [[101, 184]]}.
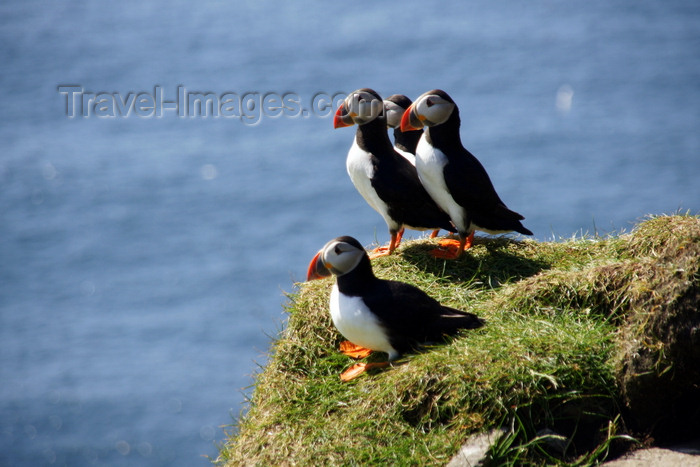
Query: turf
{"points": [[543, 368]]}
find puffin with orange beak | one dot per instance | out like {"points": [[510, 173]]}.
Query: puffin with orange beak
{"points": [[386, 180], [453, 177], [381, 315]]}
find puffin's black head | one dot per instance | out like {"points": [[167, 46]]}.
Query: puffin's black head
{"points": [[394, 108], [360, 107], [339, 256], [430, 109]]}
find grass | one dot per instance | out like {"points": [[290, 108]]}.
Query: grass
{"points": [[543, 368]]}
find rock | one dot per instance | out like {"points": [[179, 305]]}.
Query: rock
{"points": [[474, 449], [687, 455]]}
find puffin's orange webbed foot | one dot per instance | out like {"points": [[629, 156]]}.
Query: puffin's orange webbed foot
{"points": [[358, 368], [354, 350], [387, 250], [451, 248], [449, 242], [450, 253], [380, 251]]}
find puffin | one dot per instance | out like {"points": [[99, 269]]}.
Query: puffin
{"points": [[455, 179], [404, 142], [381, 315], [385, 179]]}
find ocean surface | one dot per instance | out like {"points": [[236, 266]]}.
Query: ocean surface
{"points": [[168, 169]]}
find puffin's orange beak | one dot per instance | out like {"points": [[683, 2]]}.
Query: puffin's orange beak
{"points": [[317, 270], [410, 121], [342, 118]]}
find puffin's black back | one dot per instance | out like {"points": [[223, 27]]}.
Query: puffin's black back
{"points": [[409, 316]]}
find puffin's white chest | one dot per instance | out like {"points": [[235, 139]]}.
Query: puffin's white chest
{"points": [[361, 171], [357, 324], [430, 163]]}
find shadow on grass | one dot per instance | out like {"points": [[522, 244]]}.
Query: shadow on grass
{"points": [[491, 261]]}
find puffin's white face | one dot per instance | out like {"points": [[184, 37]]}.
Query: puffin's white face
{"points": [[363, 107], [393, 113], [340, 257], [432, 109]]}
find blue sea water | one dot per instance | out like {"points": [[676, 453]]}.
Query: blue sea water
{"points": [[144, 257]]}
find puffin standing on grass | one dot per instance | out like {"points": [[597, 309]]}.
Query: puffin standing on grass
{"points": [[382, 315], [455, 179], [386, 180]]}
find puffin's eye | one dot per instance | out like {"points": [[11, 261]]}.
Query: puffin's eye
{"points": [[337, 250], [429, 102]]}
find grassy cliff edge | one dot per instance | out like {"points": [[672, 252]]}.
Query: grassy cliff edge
{"points": [[588, 342]]}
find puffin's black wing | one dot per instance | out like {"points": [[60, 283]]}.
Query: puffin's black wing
{"points": [[469, 183], [471, 187], [397, 184], [411, 317]]}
